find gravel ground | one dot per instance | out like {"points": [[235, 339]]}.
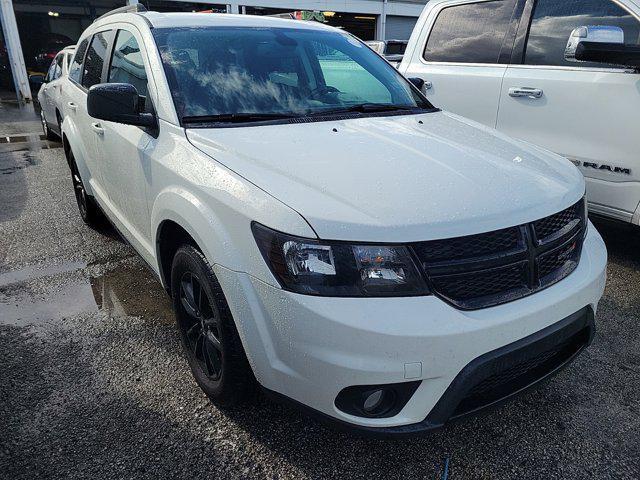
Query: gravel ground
{"points": [[93, 383]]}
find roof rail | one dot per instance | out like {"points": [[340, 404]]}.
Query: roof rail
{"points": [[135, 8]]}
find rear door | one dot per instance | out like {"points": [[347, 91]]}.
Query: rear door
{"points": [[586, 112], [53, 93], [47, 90], [462, 54], [87, 70]]}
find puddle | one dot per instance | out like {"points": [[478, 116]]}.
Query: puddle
{"points": [[12, 162], [38, 271], [70, 300], [124, 291]]}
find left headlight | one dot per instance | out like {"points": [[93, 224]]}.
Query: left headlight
{"points": [[337, 269]]}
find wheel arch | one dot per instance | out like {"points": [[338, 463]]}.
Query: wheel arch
{"points": [[178, 217], [71, 142]]}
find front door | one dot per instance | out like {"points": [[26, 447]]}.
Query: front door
{"points": [[126, 163], [586, 112]]}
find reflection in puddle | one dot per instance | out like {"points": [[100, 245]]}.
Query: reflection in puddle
{"points": [[131, 291], [33, 272], [125, 291], [70, 300]]}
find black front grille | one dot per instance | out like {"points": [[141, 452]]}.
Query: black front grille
{"points": [[479, 271]]}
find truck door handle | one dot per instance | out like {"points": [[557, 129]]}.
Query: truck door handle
{"points": [[97, 128], [72, 106], [525, 92]]}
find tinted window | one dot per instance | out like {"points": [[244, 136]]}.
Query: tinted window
{"points": [[51, 72], [127, 65], [76, 66], [213, 71], [470, 33], [94, 62], [59, 59], [554, 21]]}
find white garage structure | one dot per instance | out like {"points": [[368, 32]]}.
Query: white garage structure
{"points": [[381, 19]]}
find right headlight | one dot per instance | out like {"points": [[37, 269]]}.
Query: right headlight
{"points": [[337, 269]]}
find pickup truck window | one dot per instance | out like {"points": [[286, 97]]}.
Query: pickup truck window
{"points": [[240, 72], [470, 32], [553, 22]]}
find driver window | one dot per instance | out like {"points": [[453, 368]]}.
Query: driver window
{"points": [[553, 22], [127, 64]]}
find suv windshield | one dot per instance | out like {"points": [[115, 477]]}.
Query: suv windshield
{"points": [[245, 74]]}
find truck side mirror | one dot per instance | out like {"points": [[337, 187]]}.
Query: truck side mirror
{"points": [[417, 82], [601, 44]]}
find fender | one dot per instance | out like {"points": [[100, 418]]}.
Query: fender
{"points": [[200, 222]]}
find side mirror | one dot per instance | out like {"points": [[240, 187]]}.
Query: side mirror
{"points": [[417, 82], [117, 102], [377, 46], [36, 80], [601, 44]]}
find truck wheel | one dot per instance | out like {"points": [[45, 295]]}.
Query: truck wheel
{"points": [[89, 210], [208, 332]]}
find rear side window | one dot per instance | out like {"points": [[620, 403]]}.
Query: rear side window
{"points": [[76, 66], [470, 33], [127, 64], [553, 22], [94, 62]]}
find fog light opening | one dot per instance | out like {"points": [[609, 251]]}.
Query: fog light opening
{"points": [[375, 401]]}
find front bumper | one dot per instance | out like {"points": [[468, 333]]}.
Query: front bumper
{"points": [[310, 348]]}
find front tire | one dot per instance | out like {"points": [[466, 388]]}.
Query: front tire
{"points": [[209, 336]]}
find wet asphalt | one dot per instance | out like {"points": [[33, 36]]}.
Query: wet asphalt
{"points": [[93, 382]]}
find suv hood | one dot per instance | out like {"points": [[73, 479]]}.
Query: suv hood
{"points": [[397, 178]]}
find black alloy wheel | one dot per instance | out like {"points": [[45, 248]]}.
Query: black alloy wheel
{"points": [[89, 210], [208, 331], [201, 322]]}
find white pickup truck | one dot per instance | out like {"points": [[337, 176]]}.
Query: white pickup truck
{"points": [[560, 74]]}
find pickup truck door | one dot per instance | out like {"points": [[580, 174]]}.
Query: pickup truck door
{"points": [[586, 112], [125, 147], [461, 50]]}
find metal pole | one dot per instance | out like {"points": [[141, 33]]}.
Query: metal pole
{"points": [[381, 26], [14, 51]]}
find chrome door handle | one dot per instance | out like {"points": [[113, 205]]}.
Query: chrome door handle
{"points": [[525, 92], [97, 128], [72, 106], [428, 85]]}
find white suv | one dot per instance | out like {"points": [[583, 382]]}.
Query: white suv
{"points": [[514, 65], [325, 233]]}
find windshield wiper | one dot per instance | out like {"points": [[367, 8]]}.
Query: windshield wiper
{"points": [[366, 108], [234, 118]]}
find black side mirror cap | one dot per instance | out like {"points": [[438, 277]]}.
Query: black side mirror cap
{"points": [[613, 53], [417, 82], [37, 79], [118, 102]]}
